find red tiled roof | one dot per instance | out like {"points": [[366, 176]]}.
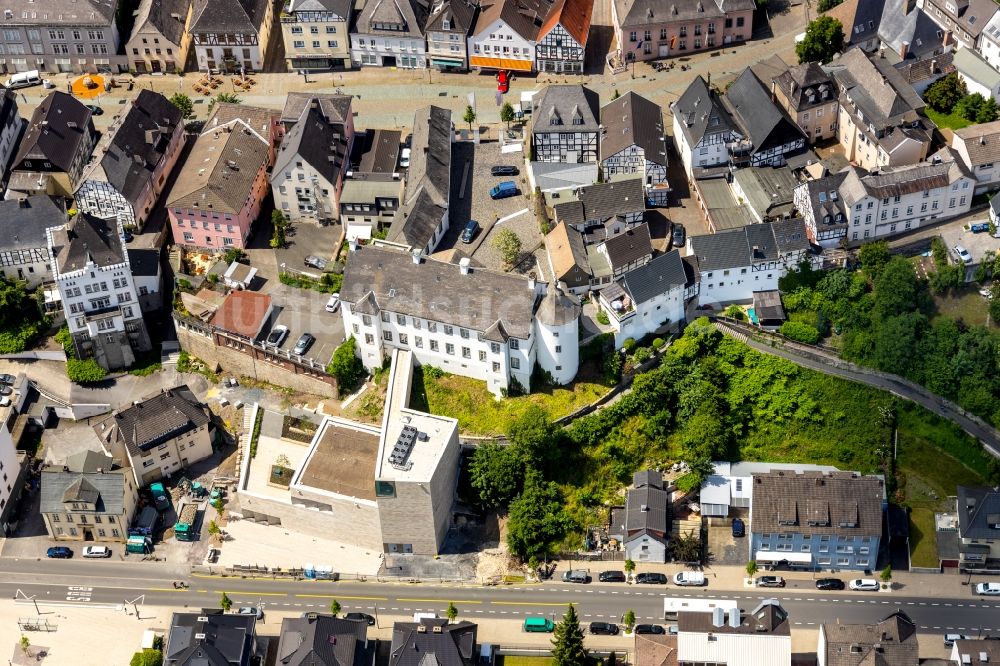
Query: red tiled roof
{"points": [[243, 313], [574, 15]]}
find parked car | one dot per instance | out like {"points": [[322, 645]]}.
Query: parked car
{"points": [[127, 236], [277, 335], [333, 303], [469, 232], [871, 585], [679, 235], [949, 639], [503, 170], [603, 629], [651, 578], [404, 158], [96, 551], [612, 577], [739, 528], [962, 254], [6, 390], [361, 617], [59, 553], [576, 576], [988, 589], [304, 343], [689, 578], [95, 110], [770, 581], [251, 610], [313, 261], [504, 189], [673, 630], [649, 629], [7, 379], [829, 584]]}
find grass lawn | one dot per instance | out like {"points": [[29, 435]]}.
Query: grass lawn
{"points": [[963, 304], [923, 545], [949, 120], [514, 660], [479, 413]]}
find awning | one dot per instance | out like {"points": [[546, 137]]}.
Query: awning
{"points": [[448, 62], [774, 557], [500, 63]]}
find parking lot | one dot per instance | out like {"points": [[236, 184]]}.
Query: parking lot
{"points": [[473, 162], [302, 311], [976, 244]]}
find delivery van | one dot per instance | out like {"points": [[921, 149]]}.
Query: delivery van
{"points": [[24, 80]]}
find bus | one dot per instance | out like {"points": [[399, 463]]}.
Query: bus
{"points": [[673, 605]]}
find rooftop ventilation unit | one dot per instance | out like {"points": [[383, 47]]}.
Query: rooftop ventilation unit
{"points": [[404, 445]]}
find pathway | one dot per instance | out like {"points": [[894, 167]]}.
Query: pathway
{"points": [[816, 360]]}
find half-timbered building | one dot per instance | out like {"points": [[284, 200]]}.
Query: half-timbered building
{"points": [[232, 35], [562, 40], [564, 125], [632, 142]]}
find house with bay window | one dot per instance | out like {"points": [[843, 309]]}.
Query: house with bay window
{"points": [[466, 320], [316, 35], [448, 29], [649, 29], [390, 33]]}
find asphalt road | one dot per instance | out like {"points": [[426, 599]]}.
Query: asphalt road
{"points": [[107, 584]]}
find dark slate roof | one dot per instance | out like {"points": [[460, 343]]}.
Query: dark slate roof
{"points": [[317, 140], [437, 291], [523, 16], [762, 121], [161, 15], [631, 245], [138, 144], [56, 131], [890, 642], [769, 617], [144, 262], [659, 275], [433, 642], [558, 308], [633, 120], [644, 12], [806, 85], [824, 200], [789, 235], [25, 222], [417, 221], [322, 640], [646, 509], [876, 87], [978, 512], [602, 201], [151, 422], [210, 638], [749, 245], [104, 489], [341, 8], [978, 652], [335, 108], [701, 112], [562, 105], [430, 154], [86, 238], [841, 503], [915, 27], [410, 14], [767, 305], [461, 15], [860, 19], [376, 152], [229, 16], [648, 477], [972, 16]]}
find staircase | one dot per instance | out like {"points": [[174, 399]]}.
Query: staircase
{"points": [[170, 351]]}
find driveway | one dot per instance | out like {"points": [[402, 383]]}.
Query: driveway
{"points": [[723, 548], [976, 244], [307, 239], [302, 311]]}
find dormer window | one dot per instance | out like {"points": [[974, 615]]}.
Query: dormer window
{"points": [[446, 24], [578, 121]]}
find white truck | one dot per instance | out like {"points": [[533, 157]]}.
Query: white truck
{"points": [[689, 578], [674, 605]]}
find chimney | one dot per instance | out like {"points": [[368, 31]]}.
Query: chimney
{"points": [[881, 51], [709, 81], [22, 203], [904, 50], [464, 264], [734, 617], [773, 95], [946, 39], [934, 66], [416, 255], [982, 141], [531, 283]]}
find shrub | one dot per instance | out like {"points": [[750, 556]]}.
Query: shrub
{"points": [[796, 330], [147, 657], [658, 343], [18, 339], [735, 312], [84, 372], [641, 355], [64, 338], [346, 366], [602, 318], [629, 345]]}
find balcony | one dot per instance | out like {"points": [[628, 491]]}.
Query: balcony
{"points": [[617, 303]]}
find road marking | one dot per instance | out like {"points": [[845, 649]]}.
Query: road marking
{"points": [[167, 589], [527, 603], [252, 594], [336, 596], [440, 601]]}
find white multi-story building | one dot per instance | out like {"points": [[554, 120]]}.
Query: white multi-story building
{"points": [[733, 264], [91, 270], [703, 128], [505, 34], [989, 44], [727, 636], [978, 146], [646, 298], [892, 201], [388, 33], [315, 33], [11, 124], [468, 321]]}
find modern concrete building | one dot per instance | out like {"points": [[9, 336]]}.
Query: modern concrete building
{"points": [[316, 35], [89, 498], [160, 39], [734, 638]]}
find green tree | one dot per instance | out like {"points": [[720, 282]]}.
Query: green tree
{"points": [[228, 98], [508, 244], [687, 547], [346, 366], [507, 113], [988, 112], [537, 518], [280, 224], [183, 103], [896, 289], [533, 436], [968, 107], [752, 568], [629, 620], [886, 575], [334, 607], [945, 93], [874, 257], [234, 254], [629, 567], [87, 371], [824, 39], [147, 657], [567, 643], [827, 5], [213, 528], [496, 472], [469, 116], [25, 643], [452, 612], [225, 603]]}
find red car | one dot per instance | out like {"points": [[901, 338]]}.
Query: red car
{"points": [[503, 81]]}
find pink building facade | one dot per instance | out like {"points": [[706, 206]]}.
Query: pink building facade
{"points": [[649, 30]]}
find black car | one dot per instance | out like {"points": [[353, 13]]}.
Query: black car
{"points": [[612, 577], [739, 528], [679, 235], [649, 629], [829, 584], [652, 578], [469, 232], [7, 379], [361, 617], [503, 170], [95, 110], [604, 629]]}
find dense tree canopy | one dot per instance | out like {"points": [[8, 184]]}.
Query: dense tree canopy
{"points": [[824, 39]]}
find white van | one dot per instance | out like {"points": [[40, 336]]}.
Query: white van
{"points": [[24, 80]]}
